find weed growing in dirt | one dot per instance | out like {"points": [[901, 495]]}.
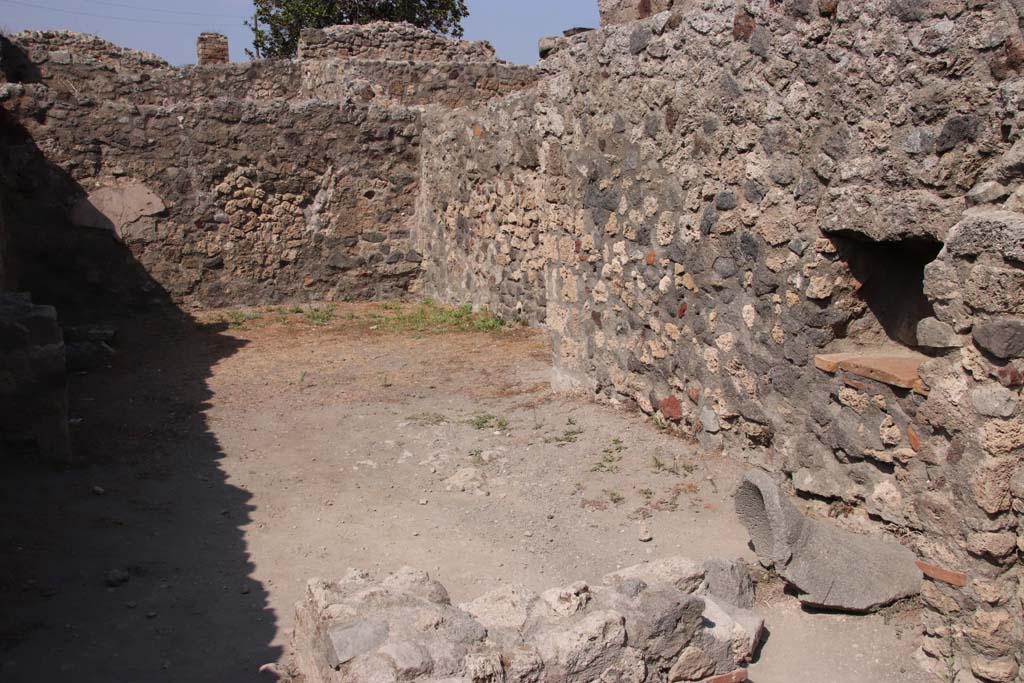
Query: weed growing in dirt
{"points": [[296, 309], [237, 319], [428, 419], [320, 316], [659, 465], [476, 457], [615, 497], [608, 463], [431, 317], [570, 435], [647, 494], [567, 437], [488, 421]]}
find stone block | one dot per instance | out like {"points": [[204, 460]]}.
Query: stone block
{"points": [[828, 566], [935, 334], [116, 207], [1002, 337], [33, 382]]}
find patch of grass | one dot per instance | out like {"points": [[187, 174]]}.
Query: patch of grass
{"points": [[431, 317], [237, 319], [659, 465], [567, 437], [607, 464], [320, 316], [615, 497], [570, 435], [428, 419], [615, 447], [488, 421]]}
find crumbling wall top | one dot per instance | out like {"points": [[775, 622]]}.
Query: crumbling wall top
{"points": [[391, 42], [70, 47], [622, 11]]}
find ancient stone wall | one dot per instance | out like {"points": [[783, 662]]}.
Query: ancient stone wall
{"points": [[790, 229], [724, 199], [241, 183], [622, 11], [389, 42], [447, 84], [212, 48], [225, 201]]}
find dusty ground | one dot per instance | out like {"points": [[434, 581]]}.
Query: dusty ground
{"points": [[230, 464]]}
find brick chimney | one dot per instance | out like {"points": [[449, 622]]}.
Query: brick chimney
{"points": [[212, 48]]}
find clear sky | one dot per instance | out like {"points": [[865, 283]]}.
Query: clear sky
{"points": [[170, 28]]}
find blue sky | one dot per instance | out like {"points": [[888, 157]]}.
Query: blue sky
{"points": [[170, 28]]}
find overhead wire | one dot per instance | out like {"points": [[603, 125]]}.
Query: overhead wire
{"points": [[142, 8], [22, 3]]}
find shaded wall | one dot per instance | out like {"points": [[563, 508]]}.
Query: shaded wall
{"points": [[231, 184]]}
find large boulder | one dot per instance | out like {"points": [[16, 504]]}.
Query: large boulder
{"points": [[828, 566]]}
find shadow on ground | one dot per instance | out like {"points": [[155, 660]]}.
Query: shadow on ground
{"points": [[132, 567]]}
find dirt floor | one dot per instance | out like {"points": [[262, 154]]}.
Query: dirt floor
{"points": [[233, 459]]}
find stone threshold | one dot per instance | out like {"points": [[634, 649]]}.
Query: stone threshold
{"points": [[900, 370]]}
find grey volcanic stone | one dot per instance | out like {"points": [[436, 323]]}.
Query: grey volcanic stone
{"points": [[994, 401], [729, 581], [347, 641], [1002, 338], [828, 566], [988, 192], [935, 334]]}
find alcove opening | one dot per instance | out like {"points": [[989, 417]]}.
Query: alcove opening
{"points": [[891, 275]]}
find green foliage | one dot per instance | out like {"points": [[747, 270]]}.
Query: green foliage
{"points": [[488, 421], [320, 316], [276, 24], [238, 319], [432, 317], [615, 497]]}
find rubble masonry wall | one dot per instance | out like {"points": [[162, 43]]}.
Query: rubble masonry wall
{"points": [[705, 206]]}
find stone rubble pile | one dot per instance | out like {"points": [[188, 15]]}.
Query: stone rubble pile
{"points": [[668, 620]]}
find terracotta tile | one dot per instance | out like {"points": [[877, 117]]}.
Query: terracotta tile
{"points": [[738, 676], [945, 575]]}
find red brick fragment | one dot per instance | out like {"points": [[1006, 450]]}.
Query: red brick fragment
{"points": [[913, 438], [671, 409], [1009, 376], [652, 256], [945, 575], [827, 8], [643, 9], [743, 25], [738, 676], [682, 309], [694, 394]]}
